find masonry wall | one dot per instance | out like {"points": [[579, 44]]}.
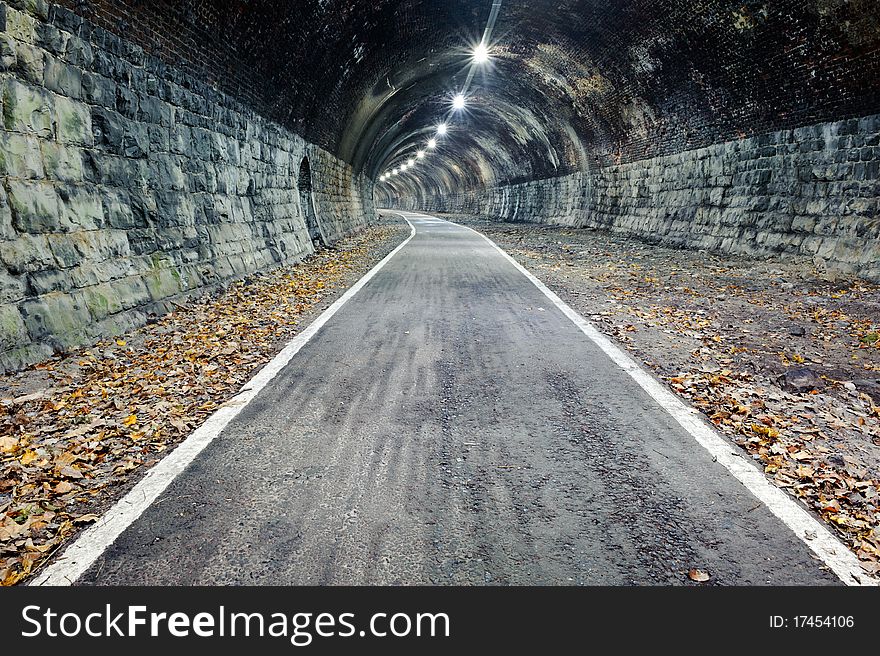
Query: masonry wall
{"points": [[125, 183], [343, 199], [812, 191]]}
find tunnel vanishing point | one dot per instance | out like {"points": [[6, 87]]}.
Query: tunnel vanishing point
{"points": [[152, 150]]}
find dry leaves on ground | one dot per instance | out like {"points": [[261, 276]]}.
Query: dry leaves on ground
{"points": [[87, 424]]}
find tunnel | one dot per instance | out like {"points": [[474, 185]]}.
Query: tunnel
{"points": [[559, 211], [177, 131]]}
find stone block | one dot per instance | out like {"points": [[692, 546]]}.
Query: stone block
{"points": [[13, 332], [120, 323], [18, 358], [30, 63], [26, 253], [34, 207], [49, 280], [20, 26], [51, 39], [102, 301], [62, 163], [132, 292], [62, 78], [79, 53], [98, 90], [143, 241], [154, 111], [74, 122], [56, 316], [166, 173], [106, 65], [126, 102], [123, 173], [101, 245], [201, 144], [181, 140], [7, 53], [159, 139], [88, 274], [135, 140], [91, 166], [107, 129], [81, 207], [174, 209], [162, 283], [64, 251], [12, 288], [38, 8], [20, 156], [27, 109], [118, 211]]}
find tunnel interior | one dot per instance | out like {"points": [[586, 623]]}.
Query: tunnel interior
{"points": [[680, 171], [178, 130]]}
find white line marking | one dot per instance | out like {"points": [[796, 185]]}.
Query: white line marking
{"points": [[80, 555], [811, 531]]}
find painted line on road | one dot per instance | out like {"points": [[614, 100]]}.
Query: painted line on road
{"points": [[810, 530], [86, 549]]}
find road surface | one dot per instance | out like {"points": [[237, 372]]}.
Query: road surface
{"points": [[449, 425]]}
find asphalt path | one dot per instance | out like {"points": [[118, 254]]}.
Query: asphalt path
{"points": [[450, 425]]}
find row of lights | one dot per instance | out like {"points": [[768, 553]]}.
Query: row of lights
{"points": [[480, 55]]}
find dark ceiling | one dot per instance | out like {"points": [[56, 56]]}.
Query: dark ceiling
{"points": [[573, 84]]}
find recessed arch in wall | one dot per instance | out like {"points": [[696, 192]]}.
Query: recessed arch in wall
{"points": [[305, 186]]}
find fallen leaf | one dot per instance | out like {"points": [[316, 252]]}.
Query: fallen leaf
{"points": [[8, 444], [71, 472], [698, 575], [29, 397]]}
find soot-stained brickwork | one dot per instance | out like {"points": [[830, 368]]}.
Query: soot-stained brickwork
{"points": [[574, 84], [125, 183]]}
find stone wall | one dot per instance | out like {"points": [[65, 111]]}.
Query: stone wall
{"points": [[341, 197], [125, 183], [812, 191]]}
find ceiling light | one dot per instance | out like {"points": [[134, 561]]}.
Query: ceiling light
{"points": [[481, 54], [432, 143], [420, 154], [410, 162], [442, 129], [458, 101]]}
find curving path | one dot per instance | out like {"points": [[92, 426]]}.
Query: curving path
{"points": [[450, 425]]}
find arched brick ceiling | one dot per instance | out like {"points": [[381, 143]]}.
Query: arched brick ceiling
{"points": [[574, 83]]}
